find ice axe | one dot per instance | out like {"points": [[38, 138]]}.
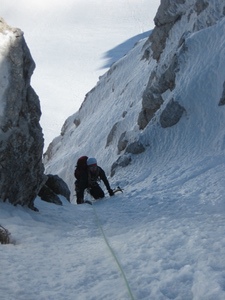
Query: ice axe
{"points": [[118, 189]]}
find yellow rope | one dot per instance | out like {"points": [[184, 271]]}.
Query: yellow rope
{"points": [[113, 254]]}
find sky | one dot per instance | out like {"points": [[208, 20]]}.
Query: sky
{"points": [[73, 44], [163, 237]]}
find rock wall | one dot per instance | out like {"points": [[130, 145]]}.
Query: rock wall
{"points": [[21, 138], [174, 21]]}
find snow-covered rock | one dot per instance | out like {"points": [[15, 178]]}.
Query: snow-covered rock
{"points": [[175, 21], [21, 138]]}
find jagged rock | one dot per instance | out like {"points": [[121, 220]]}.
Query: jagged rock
{"points": [[150, 104], [122, 161], [46, 194], [49, 152], [200, 5], [58, 186], [166, 33], [168, 77], [21, 138], [171, 114], [135, 148], [76, 122], [157, 85], [53, 187], [124, 114], [122, 143], [111, 135], [169, 12], [222, 99], [4, 235]]}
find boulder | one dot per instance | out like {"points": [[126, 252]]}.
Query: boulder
{"points": [[46, 194], [58, 186], [171, 114], [53, 187]]}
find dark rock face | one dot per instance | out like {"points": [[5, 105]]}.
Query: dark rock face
{"points": [[21, 138], [122, 143], [222, 99], [152, 96], [171, 114], [165, 45], [168, 14], [59, 186], [4, 235], [111, 134], [53, 187], [46, 194], [135, 148], [200, 5], [122, 161]]}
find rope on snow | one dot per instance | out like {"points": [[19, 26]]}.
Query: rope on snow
{"points": [[113, 254]]}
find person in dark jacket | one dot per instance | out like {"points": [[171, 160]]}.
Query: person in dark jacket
{"points": [[88, 178]]}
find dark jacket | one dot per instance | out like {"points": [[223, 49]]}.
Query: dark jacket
{"points": [[89, 180]]}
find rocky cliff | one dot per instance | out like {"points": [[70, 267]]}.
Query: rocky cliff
{"points": [[21, 138], [175, 21]]}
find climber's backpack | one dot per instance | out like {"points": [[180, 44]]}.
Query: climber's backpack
{"points": [[81, 166]]}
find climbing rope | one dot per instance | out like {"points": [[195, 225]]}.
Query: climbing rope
{"points": [[113, 254]]}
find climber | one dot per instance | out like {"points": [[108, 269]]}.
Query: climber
{"points": [[87, 174]]}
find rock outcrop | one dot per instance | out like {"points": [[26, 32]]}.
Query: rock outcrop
{"points": [[165, 45], [53, 187], [21, 138]]}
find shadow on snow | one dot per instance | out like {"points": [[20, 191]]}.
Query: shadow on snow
{"points": [[119, 51]]}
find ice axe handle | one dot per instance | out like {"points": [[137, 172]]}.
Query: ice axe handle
{"points": [[118, 189]]}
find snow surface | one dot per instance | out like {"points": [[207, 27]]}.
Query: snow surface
{"points": [[72, 44], [163, 238]]}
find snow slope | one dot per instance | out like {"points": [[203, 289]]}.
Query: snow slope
{"points": [[163, 238], [73, 44]]}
